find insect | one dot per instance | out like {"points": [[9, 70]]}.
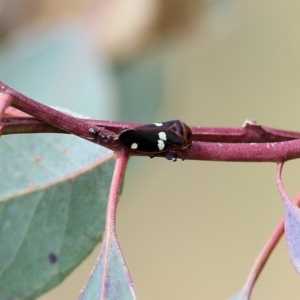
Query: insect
{"points": [[165, 138]]}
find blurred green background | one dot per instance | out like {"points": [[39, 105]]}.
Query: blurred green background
{"points": [[187, 230]]}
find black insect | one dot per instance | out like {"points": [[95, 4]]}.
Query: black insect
{"points": [[166, 138]]}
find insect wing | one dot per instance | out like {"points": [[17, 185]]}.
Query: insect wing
{"points": [[140, 140], [172, 129]]}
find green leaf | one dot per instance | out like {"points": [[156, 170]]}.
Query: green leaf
{"points": [[53, 192], [111, 269]]}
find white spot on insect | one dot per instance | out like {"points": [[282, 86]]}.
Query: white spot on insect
{"points": [[134, 146], [160, 145], [158, 124], [162, 136]]}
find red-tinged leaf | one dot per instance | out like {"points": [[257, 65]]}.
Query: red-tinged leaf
{"points": [[291, 223], [292, 231], [110, 278], [241, 295]]}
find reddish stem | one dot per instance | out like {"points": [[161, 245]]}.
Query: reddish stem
{"points": [[119, 170], [262, 259], [251, 152], [110, 222], [252, 142]]}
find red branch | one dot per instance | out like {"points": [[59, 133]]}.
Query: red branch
{"points": [[251, 142]]}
